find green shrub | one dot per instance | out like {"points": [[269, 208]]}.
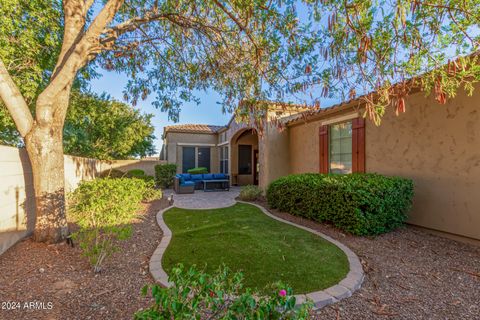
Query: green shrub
{"points": [[199, 170], [103, 210], [197, 295], [250, 193], [112, 173], [151, 193], [136, 173], [362, 204], [164, 174]]}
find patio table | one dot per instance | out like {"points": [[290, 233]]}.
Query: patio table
{"points": [[222, 181]]}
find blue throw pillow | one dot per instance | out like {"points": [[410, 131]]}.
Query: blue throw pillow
{"points": [[197, 176], [220, 176], [208, 176], [186, 176]]}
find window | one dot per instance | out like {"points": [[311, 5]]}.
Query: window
{"points": [[193, 157], [188, 158], [203, 158], [244, 159], [224, 160], [340, 148]]}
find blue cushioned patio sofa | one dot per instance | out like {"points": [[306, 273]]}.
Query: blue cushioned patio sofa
{"points": [[188, 183]]}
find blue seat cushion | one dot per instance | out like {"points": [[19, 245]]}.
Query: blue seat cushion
{"points": [[186, 176], [197, 177], [187, 183], [220, 176], [208, 176]]}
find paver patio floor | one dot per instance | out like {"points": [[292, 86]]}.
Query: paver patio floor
{"points": [[204, 200]]}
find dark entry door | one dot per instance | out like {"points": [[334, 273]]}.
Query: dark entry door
{"points": [[256, 167]]}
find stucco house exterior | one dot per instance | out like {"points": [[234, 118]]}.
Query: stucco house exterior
{"points": [[435, 145]]}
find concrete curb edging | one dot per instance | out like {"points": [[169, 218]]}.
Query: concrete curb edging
{"points": [[320, 299]]}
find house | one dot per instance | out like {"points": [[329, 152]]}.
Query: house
{"points": [[435, 145]]}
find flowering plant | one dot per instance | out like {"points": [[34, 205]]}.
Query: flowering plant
{"points": [[198, 295]]}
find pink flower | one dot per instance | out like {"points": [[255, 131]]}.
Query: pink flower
{"points": [[282, 293]]}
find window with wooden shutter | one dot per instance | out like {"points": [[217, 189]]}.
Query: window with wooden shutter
{"points": [[323, 149], [358, 145]]}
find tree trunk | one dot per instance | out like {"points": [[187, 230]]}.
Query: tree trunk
{"points": [[45, 150]]}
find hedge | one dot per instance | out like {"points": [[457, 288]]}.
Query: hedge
{"points": [[198, 170], [164, 174], [362, 204]]}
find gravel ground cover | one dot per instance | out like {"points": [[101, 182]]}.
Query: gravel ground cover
{"points": [[62, 282], [410, 274]]}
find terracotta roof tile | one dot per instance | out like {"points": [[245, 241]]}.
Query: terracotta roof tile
{"points": [[194, 128]]}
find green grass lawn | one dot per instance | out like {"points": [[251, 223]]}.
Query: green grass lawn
{"points": [[247, 240]]}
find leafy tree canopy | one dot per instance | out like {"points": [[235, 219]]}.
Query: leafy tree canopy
{"points": [[99, 127], [260, 50]]}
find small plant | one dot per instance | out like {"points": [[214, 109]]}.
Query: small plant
{"points": [[250, 193], [151, 193], [199, 170], [198, 295], [164, 174], [103, 210]]}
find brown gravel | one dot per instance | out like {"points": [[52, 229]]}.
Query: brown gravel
{"points": [[58, 274], [410, 274]]}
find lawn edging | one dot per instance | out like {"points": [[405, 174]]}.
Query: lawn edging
{"points": [[345, 288], [321, 298]]}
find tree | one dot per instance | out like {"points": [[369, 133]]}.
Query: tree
{"points": [[96, 126], [246, 50], [384, 50], [102, 128], [236, 49]]}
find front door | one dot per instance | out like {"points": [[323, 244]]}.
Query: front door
{"points": [[256, 167]]}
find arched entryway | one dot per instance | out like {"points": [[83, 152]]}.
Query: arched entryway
{"points": [[244, 157]]}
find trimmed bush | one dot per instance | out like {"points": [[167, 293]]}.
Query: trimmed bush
{"points": [[164, 174], [112, 173], [250, 193], [362, 204], [199, 170], [104, 209], [136, 173]]}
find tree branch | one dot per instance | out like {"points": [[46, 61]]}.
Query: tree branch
{"points": [[237, 22], [77, 56], [14, 101]]}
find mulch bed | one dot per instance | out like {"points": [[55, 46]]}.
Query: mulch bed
{"points": [[410, 274], [59, 275]]}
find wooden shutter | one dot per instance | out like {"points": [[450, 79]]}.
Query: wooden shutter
{"points": [[323, 149], [358, 145]]}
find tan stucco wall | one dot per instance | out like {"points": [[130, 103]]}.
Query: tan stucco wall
{"points": [[304, 143], [174, 153], [274, 155], [435, 145], [438, 147]]}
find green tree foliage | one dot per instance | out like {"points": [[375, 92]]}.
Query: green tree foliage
{"points": [[30, 40], [99, 127]]}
